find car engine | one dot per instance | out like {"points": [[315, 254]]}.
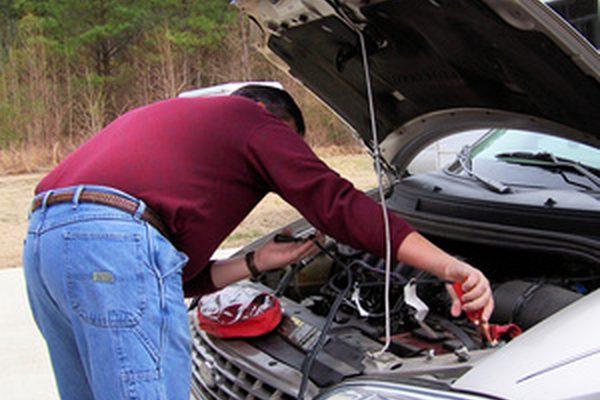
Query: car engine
{"points": [[528, 287], [316, 283]]}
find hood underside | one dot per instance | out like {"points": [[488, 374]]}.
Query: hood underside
{"points": [[427, 57]]}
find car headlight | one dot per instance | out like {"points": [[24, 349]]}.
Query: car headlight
{"points": [[394, 391]]}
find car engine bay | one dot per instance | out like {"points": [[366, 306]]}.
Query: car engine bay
{"points": [[346, 285], [528, 287]]}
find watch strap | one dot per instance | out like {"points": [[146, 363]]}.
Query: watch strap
{"points": [[251, 265]]}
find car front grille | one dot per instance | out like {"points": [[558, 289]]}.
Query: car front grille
{"points": [[216, 377]]}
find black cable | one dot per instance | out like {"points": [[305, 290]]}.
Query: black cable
{"points": [[368, 267], [284, 282], [459, 333], [310, 358]]}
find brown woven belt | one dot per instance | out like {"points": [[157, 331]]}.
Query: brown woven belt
{"points": [[107, 199]]}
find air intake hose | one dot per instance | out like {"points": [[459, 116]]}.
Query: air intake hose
{"points": [[527, 303]]}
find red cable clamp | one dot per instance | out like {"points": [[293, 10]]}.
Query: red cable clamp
{"points": [[491, 333]]}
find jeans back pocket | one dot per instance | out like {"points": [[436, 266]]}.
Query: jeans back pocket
{"points": [[106, 277]]}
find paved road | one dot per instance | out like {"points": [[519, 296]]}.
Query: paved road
{"points": [[25, 368]]}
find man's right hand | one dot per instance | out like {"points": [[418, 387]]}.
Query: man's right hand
{"points": [[419, 252], [476, 288]]}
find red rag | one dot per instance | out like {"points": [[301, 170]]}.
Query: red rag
{"points": [[252, 322]]}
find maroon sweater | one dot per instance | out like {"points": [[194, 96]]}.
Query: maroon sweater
{"points": [[203, 164]]}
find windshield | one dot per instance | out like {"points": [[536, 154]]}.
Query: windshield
{"points": [[521, 159], [509, 141]]}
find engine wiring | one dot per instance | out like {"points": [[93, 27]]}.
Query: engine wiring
{"points": [[335, 306], [341, 294]]}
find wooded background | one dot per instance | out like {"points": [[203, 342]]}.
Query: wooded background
{"points": [[68, 67]]}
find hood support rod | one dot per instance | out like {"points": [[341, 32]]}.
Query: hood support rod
{"points": [[379, 162]]}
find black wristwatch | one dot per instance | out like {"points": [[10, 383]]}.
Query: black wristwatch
{"points": [[251, 265]]}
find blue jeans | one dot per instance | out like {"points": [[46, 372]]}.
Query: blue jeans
{"points": [[105, 289]]}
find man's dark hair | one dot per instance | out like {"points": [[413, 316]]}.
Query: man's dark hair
{"points": [[278, 102]]}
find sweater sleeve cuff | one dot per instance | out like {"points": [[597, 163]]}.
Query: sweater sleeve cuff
{"points": [[201, 284]]}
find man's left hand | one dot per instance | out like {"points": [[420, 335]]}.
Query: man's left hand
{"points": [[275, 255]]}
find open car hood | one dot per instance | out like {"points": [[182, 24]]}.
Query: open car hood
{"points": [[437, 66]]}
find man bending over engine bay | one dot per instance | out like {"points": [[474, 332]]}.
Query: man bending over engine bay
{"points": [[125, 227]]}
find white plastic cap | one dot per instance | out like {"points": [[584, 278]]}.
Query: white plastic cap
{"points": [[226, 89]]}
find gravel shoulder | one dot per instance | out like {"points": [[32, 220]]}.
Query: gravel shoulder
{"points": [[16, 192]]}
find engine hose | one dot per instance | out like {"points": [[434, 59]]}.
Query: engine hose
{"points": [[459, 333], [527, 303]]}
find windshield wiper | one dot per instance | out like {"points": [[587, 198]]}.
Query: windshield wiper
{"points": [[465, 161], [547, 159]]}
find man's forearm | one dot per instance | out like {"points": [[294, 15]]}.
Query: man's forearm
{"points": [[226, 272], [419, 252], [414, 250]]}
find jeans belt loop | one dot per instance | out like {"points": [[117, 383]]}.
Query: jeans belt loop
{"points": [[43, 209], [140, 210], [45, 200], [77, 196]]}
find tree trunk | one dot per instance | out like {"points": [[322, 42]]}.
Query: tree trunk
{"points": [[245, 50]]}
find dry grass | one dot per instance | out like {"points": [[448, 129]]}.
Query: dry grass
{"points": [[21, 159], [271, 213]]}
